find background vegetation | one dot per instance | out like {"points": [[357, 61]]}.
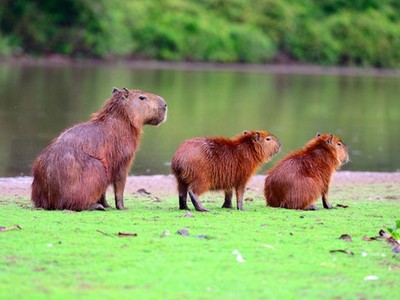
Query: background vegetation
{"points": [[334, 32]]}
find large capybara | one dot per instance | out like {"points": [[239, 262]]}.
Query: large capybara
{"points": [[299, 179], [74, 171], [203, 164]]}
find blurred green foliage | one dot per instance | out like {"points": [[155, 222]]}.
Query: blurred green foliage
{"points": [[334, 32]]}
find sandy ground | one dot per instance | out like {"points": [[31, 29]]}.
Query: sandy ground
{"points": [[164, 185]]}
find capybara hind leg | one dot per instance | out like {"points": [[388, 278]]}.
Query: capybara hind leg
{"points": [[228, 199], [239, 197], [196, 202], [183, 202], [96, 206], [183, 190], [102, 201], [325, 201]]}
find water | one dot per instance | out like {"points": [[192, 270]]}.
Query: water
{"points": [[38, 101]]}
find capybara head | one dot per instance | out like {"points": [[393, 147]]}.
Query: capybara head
{"points": [[152, 108], [342, 154], [267, 144]]}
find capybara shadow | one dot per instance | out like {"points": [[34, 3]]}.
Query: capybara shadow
{"points": [[74, 171], [299, 179], [217, 163]]}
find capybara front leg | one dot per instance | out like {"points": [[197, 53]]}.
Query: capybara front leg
{"points": [[119, 187], [196, 202], [325, 201], [102, 201], [228, 199], [239, 197]]}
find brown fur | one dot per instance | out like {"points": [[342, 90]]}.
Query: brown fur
{"points": [[203, 164], [298, 180], [74, 171]]}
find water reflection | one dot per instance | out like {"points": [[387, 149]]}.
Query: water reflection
{"points": [[38, 102]]}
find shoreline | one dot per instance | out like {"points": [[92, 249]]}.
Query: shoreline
{"points": [[164, 185], [275, 68]]}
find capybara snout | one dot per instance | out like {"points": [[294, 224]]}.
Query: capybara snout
{"points": [[153, 106], [341, 149], [268, 144]]}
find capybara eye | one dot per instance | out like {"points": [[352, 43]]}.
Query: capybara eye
{"points": [[339, 144], [268, 139], [142, 97]]}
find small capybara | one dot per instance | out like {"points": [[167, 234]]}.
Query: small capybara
{"points": [[74, 171], [203, 164], [299, 179]]}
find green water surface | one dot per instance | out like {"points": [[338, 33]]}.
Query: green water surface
{"points": [[37, 102]]}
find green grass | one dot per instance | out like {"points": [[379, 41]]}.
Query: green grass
{"points": [[59, 254]]}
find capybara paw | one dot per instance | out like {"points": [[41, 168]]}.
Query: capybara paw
{"points": [[96, 206], [227, 206], [312, 207], [184, 208], [240, 206], [121, 207], [202, 209], [119, 204]]}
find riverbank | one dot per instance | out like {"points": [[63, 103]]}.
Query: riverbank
{"points": [[280, 67], [164, 185]]}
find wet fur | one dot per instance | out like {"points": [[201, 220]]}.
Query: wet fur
{"points": [[203, 164], [74, 171], [299, 179]]}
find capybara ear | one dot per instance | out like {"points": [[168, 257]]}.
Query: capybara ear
{"points": [[330, 139], [126, 92], [256, 136], [318, 134], [246, 132], [115, 90]]}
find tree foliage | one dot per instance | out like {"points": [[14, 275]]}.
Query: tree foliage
{"points": [[338, 32]]}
